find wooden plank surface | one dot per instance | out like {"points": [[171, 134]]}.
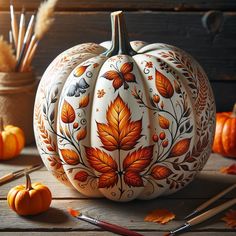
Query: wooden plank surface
{"points": [[182, 29], [176, 5], [131, 214]]}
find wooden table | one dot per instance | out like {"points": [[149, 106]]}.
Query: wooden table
{"points": [[56, 221]]}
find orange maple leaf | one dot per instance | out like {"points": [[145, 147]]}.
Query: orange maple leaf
{"points": [[230, 218], [231, 170], [119, 132], [161, 216]]}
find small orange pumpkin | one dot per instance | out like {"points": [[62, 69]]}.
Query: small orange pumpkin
{"points": [[225, 135], [29, 199], [12, 141]]}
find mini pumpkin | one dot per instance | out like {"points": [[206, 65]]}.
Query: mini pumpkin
{"points": [[225, 134], [124, 119], [29, 199], [12, 141]]}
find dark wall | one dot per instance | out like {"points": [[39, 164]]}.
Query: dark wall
{"points": [[211, 41]]}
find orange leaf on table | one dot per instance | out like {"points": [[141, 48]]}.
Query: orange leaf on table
{"points": [[163, 85], [67, 113], [161, 216], [70, 156], [100, 161], [231, 170], [180, 148], [230, 218]]}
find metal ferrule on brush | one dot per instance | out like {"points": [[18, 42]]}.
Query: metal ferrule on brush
{"points": [[181, 228], [88, 219]]}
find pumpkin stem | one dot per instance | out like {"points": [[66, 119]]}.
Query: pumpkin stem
{"points": [[120, 40], [28, 182], [234, 111], [1, 124]]}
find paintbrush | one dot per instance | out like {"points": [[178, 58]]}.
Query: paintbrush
{"points": [[16, 174], [21, 33], [211, 200], [14, 26], [202, 217], [103, 224]]}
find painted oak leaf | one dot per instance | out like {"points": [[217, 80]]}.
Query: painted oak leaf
{"points": [[121, 77], [230, 218], [160, 172], [163, 85], [133, 179], [161, 216], [180, 148], [107, 180], [119, 132], [138, 160], [67, 113], [100, 160], [70, 156]]}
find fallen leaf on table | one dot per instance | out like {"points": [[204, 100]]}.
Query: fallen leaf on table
{"points": [[161, 216], [230, 170], [230, 218]]}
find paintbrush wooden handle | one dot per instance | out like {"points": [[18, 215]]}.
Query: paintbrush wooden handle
{"points": [[213, 199], [6, 178], [117, 229], [212, 212]]}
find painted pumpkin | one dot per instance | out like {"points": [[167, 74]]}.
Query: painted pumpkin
{"points": [[29, 199], [12, 141], [124, 120], [225, 135]]}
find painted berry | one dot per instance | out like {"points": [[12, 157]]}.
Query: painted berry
{"points": [[155, 138], [162, 135], [165, 143]]}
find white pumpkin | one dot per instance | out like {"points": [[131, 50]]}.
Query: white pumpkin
{"points": [[124, 120]]}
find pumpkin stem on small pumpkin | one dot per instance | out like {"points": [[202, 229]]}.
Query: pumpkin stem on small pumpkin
{"points": [[28, 182], [1, 124], [234, 111], [120, 40]]}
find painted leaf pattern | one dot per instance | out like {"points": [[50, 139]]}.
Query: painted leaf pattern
{"points": [[70, 156], [120, 131], [81, 176], [163, 122], [80, 70], [108, 180], [180, 148], [84, 101], [160, 172], [67, 113], [163, 85], [100, 160], [133, 179], [138, 160]]}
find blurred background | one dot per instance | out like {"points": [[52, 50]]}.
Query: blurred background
{"points": [[205, 29]]}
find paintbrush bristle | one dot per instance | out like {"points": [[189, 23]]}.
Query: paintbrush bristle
{"points": [[73, 212]]}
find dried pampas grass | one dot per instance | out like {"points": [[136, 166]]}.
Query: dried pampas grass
{"points": [[7, 58], [44, 18]]}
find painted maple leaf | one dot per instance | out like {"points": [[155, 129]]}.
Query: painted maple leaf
{"points": [[119, 132], [122, 76]]}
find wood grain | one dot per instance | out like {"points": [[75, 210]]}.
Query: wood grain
{"points": [[183, 29], [176, 5], [130, 215]]}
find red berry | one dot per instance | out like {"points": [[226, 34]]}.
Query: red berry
{"points": [[156, 98], [75, 125], [162, 135], [155, 137], [165, 143]]}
